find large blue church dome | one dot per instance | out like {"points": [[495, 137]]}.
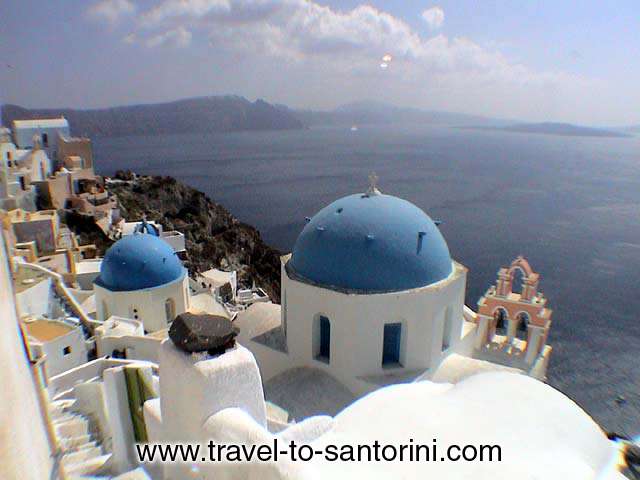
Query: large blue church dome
{"points": [[139, 261], [370, 244]]}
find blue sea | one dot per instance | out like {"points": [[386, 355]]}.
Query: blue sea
{"points": [[571, 205]]}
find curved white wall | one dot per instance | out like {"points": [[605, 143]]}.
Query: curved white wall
{"points": [[357, 326], [149, 303]]}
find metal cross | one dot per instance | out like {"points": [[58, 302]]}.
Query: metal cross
{"points": [[373, 185], [373, 181]]}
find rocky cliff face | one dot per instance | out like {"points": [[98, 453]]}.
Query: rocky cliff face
{"points": [[214, 238]]}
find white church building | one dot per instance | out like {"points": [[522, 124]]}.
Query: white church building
{"points": [[142, 279], [371, 297], [370, 292]]}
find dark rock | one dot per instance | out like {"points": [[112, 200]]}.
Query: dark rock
{"points": [[226, 292], [124, 175], [199, 333], [214, 237], [86, 230]]}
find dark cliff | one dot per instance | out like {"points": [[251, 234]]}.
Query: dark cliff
{"points": [[214, 238]]}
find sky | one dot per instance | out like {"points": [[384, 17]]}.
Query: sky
{"points": [[536, 60]]}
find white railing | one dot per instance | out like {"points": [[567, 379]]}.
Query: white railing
{"points": [[64, 292]]}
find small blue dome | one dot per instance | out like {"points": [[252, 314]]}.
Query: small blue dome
{"points": [[144, 227], [370, 243], [139, 261]]}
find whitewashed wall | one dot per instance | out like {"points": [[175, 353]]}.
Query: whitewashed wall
{"points": [[150, 303], [357, 325], [35, 300], [24, 447]]}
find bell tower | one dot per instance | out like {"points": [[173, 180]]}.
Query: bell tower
{"points": [[514, 320]]}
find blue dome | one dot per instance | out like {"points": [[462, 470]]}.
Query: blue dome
{"points": [[139, 261], [367, 244], [144, 227]]}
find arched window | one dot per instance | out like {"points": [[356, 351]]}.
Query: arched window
{"points": [[517, 280], [45, 140], [522, 330], [322, 338], [500, 316], [170, 309], [447, 329]]}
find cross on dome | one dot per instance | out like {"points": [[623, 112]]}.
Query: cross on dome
{"points": [[373, 185]]}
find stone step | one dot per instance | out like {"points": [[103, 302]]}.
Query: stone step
{"points": [[57, 407], [72, 428], [63, 418], [70, 443], [62, 403], [80, 456], [73, 447], [88, 467]]}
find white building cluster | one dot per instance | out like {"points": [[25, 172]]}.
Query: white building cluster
{"points": [[372, 342]]}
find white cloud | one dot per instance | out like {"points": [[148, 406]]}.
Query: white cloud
{"points": [[111, 10], [434, 17], [303, 30], [183, 8], [178, 37], [345, 47]]}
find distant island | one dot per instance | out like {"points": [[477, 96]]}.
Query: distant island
{"points": [[192, 115], [372, 112], [550, 128], [232, 113]]}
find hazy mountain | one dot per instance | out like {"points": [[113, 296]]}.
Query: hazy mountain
{"points": [[550, 128], [234, 113], [372, 112], [193, 115]]}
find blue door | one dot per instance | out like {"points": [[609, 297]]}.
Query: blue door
{"points": [[391, 344], [325, 338]]}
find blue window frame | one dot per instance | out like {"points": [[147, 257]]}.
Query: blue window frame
{"points": [[391, 344]]}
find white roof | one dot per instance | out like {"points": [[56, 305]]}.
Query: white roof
{"points": [[540, 431], [41, 123], [218, 277], [118, 326], [88, 266], [257, 320], [456, 367], [205, 303], [304, 392]]}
